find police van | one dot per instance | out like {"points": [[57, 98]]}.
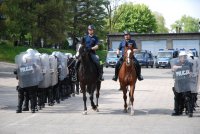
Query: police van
{"points": [[164, 56], [145, 58], [112, 59]]}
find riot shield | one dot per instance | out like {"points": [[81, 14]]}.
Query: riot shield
{"points": [[194, 75], [183, 75], [62, 65], [26, 68], [46, 82], [53, 70], [39, 67]]}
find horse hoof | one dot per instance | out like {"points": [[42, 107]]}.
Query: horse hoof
{"points": [[84, 112], [97, 110], [132, 113], [73, 94], [125, 111]]}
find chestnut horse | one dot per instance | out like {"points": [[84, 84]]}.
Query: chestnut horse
{"points": [[87, 75], [128, 77]]}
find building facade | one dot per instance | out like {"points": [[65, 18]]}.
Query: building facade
{"points": [[154, 42]]}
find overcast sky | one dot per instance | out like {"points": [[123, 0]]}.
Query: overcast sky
{"points": [[172, 10]]}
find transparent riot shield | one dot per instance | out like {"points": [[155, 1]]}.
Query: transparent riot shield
{"points": [[194, 75], [26, 68], [182, 74], [62, 68], [46, 82], [53, 70]]}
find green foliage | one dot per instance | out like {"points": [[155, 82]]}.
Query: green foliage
{"points": [[160, 20], [134, 17], [42, 19], [52, 20], [8, 52], [81, 13], [186, 24]]}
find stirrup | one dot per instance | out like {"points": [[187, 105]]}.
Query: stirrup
{"points": [[140, 78], [114, 78]]}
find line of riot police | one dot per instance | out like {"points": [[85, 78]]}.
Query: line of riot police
{"points": [[44, 78], [185, 73]]}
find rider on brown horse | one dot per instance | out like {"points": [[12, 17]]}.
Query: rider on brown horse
{"points": [[91, 42], [122, 45]]}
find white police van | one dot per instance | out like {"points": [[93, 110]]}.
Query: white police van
{"points": [[164, 56]]}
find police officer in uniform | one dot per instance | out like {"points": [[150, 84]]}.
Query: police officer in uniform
{"points": [[127, 39], [91, 42], [182, 69]]}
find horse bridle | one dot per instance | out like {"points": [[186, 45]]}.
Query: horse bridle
{"points": [[129, 56]]}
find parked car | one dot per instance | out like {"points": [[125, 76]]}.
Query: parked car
{"points": [[164, 56], [111, 59], [145, 58], [194, 52]]}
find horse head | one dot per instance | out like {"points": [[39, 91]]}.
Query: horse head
{"points": [[83, 50], [128, 55]]}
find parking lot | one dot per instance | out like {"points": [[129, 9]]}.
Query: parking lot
{"points": [[153, 108]]}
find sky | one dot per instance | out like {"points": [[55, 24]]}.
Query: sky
{"points": [[172, 10]]}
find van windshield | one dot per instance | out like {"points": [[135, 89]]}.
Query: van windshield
{"points": [[164, 55], [112, 54], [139, 56]]}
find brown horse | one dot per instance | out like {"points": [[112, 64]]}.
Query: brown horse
{"points": [[128, 77], [88, 77]]}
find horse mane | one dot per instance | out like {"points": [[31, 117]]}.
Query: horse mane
{"points": [[87, 68]]}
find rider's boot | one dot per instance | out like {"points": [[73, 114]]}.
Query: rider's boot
{"points": [[138, 71], [117, 67], [100, 75]]}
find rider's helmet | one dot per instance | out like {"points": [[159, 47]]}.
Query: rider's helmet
{"points": [[91, 27], [126, 33]]}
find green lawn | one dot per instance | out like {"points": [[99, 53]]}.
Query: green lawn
{"points": [[8, 51]]}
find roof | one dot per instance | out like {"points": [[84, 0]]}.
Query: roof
{"points": [[153, 34]]}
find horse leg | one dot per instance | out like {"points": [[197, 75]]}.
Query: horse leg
{"points": [[84, 98], [92, 88], [132, 88], [97, 92], [124, 89]]}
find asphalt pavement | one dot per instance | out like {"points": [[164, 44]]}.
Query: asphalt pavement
{"points": [[153, 107]]}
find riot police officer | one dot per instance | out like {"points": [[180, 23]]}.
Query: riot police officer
{"points": [[91, 42], [26, 73], [127, 39], [182, 69]]}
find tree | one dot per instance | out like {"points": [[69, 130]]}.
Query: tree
{"points": [[19, 17], [50, 21], [160, 20], [186, 24], [43, 19], [111, 6], [134, 17], [2, 20], [81, 13]]}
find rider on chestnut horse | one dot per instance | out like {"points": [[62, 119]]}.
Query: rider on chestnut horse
{"points": [[127, 39]]}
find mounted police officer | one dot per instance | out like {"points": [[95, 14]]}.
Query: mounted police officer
{"points": [[127, 39], [91, 42], [182, 69]]}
